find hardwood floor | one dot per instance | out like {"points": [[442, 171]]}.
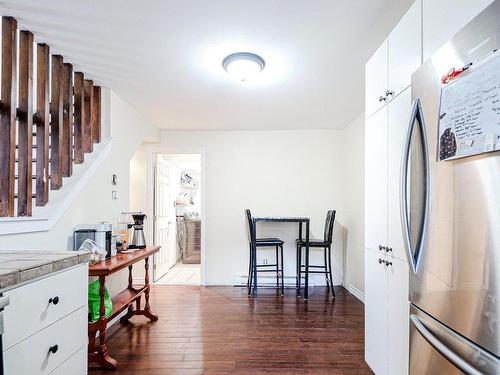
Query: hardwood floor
{"points": [[219, 330]]}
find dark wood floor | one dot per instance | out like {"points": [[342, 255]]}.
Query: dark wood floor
{"points": [[219, 330]]}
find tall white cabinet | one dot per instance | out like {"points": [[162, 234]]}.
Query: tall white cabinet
{"points": [[388, 106]]}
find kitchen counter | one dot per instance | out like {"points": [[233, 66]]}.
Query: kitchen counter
{"points": [[17, 267]]}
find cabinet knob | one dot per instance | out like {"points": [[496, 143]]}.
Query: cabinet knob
{"points": [[380, 247], [53, 349], [382, 99], [387, 263], [380, 261], [387, 249], [389, 93], [54, 300]]}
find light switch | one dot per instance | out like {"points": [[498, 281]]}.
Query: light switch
{"points": [[114, 194]]}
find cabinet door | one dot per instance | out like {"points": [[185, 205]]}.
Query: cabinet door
{"points": [[376, 180], [397, 318], [405, 49], [375, 313], [398, 113], [376, 80], [444, 18]]}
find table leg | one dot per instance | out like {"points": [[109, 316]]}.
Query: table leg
{"points": [[306, 287], [147, 308], [103, 358], [130, 312]]}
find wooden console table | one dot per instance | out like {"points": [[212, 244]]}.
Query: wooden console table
{"points": [[122, 301]]}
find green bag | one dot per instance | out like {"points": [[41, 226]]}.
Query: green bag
{"points": [[95, 301]]}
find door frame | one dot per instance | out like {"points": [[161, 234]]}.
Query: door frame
{"points": [[151, 191]]}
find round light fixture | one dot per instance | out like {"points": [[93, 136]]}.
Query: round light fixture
{"points": [[243, 65]]}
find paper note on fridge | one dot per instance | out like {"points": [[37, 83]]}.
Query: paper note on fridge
{"points": [[469, 117]]}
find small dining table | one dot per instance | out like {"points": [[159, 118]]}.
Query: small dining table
{"points": [[285, 219]]}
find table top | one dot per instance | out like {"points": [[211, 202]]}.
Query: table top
{"points": [[121, 261], [289, 219]]}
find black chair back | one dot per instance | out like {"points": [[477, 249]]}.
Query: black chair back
{"points": [[251, 233], [330, 220]]}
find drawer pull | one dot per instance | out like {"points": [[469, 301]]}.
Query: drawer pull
{"points": [[380, 261], [387, 263], [54, 300], [53, 349]]}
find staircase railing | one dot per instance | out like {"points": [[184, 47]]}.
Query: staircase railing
{"points": [[42, 133]]}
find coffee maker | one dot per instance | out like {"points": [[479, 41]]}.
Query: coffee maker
{"points": [[138, 239]]}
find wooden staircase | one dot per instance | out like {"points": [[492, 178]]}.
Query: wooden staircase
{"points": [[42, 133]]}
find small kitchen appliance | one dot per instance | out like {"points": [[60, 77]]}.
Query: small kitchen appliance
{"points": [[100, 233], [138, 239]]}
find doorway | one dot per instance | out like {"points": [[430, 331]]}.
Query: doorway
{"points": [[178, 221]]}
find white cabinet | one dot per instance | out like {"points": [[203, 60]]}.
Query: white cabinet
{"points": [[398, 312], [385, 133], [386, 314], [376, 80], [404, 50], [46, 320], [398, 117], [30, 310], [389, 70], [444, 18], [50, 347], [376, 180], [375, 313]]}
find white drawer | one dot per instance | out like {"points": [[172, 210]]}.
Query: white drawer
{"points": [[32, 356], [29, 309], [75, 365]]}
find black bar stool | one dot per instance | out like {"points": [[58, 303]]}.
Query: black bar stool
{"points": [[326, 245], [264, 242]]}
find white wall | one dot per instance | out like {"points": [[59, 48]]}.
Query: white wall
{"points": [[291, 173], [353, 217], [127, 129]]}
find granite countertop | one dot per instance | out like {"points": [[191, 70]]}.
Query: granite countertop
{"points": [[21, 266]]}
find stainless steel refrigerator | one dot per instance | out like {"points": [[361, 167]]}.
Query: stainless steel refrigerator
{"points": [[450, 199]]}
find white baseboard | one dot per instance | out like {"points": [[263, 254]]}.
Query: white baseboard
{"points": [[355, 292]]}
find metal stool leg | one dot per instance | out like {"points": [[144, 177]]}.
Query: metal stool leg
{"points": [[330, 287], [277, 268], [330, 269], [250, 276], [249, 283], [282, 272]]}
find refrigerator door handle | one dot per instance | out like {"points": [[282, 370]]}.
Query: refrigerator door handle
{"points": [[446, 352], [414, 253]]}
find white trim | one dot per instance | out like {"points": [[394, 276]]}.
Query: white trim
{"points": [[187, 150], [44, 218], [356, 292]]}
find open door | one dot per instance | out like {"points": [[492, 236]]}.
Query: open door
{"points": [[164, 219]]}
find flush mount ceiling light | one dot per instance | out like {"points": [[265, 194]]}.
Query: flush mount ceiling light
{"points": [[243, 65]]}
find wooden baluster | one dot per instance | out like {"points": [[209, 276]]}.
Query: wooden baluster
{"points": [[8, 116], [96, 114], [87, 124], [79, 111], [42, 124], [25, 124], [67, 137], [56, 123]]}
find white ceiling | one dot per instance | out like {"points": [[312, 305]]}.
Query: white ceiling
{"points": [[164, 57]]}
